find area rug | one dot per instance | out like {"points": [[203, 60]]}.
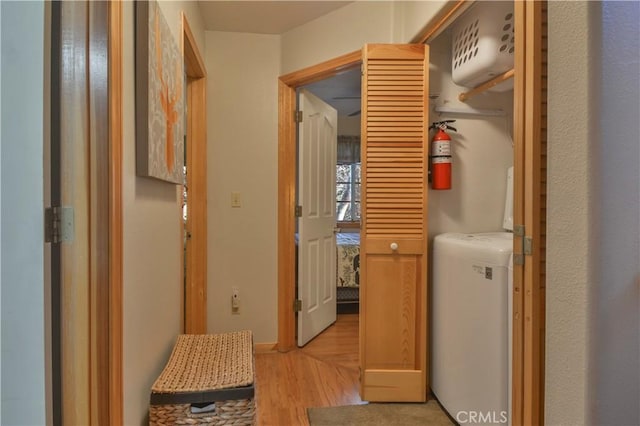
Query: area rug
{"points": [[391, 414]]}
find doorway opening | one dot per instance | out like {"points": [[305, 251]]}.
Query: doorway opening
{"points": [[287, 178], [341, 173]]}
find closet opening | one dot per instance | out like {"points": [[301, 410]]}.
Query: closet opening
{"points": [[528, 42], [471, 224]]}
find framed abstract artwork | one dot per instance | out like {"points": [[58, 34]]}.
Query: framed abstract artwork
{"points": [[160, 97]]}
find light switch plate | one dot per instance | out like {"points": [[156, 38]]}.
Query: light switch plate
{"points": [[235, 199]]}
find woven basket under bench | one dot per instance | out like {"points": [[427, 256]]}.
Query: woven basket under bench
{"points": [[214, 370]]}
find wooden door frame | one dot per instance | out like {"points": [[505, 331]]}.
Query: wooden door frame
{"points": [[528, 339], [112, 303], [109, 409], [103, 253], [532, 132], [77, 102], [104, 401], [195, 287]]}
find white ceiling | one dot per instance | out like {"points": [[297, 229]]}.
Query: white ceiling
{"points": [[263, 17], [341, 91]]}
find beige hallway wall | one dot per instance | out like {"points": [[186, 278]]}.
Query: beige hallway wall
{"points": [[242, 157], [243, 148], [152, 232], [593, 285]]}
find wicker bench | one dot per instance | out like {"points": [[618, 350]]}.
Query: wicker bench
{"points": [[209, 380]]}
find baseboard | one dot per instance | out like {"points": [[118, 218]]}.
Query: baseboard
{"points": [[348, 307], [263, 348]]}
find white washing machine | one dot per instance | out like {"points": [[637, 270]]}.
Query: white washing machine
{"points": [[471, 322]]}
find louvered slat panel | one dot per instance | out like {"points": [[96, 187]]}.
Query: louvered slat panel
{"points": [[394, 115], [395, 103], [389, 154], [394, 125], [393, 263], [394, 147]]}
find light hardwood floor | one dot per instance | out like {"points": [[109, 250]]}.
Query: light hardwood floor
{"points": [[322, 374]]}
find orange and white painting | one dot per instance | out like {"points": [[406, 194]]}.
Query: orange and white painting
{"points": [[160, 97]]}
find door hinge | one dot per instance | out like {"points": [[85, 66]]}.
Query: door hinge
{"points": [[298, 211], [297, 116], [518, 259], [518, 230], [527, 245], [297, 305], [58, 224]]}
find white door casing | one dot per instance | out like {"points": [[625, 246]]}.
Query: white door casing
{"points": [[316, 238]]}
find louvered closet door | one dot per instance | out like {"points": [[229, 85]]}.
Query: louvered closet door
{"points": [[393, 322]]}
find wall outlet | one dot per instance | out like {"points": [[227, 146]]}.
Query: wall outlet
{"points": [[235, 300]]}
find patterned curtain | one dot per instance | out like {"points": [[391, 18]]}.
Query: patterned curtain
{"points": [[348, 149]]}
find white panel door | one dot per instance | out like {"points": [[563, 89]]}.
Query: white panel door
{"points": [[317, 195]]}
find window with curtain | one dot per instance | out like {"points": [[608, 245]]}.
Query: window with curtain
{"points": [[348, 179]]}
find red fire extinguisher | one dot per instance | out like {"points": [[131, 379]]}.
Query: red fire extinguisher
{"points": [[441, 155]]}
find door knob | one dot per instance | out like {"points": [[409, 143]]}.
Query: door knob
{"points": [[394, 246]]}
